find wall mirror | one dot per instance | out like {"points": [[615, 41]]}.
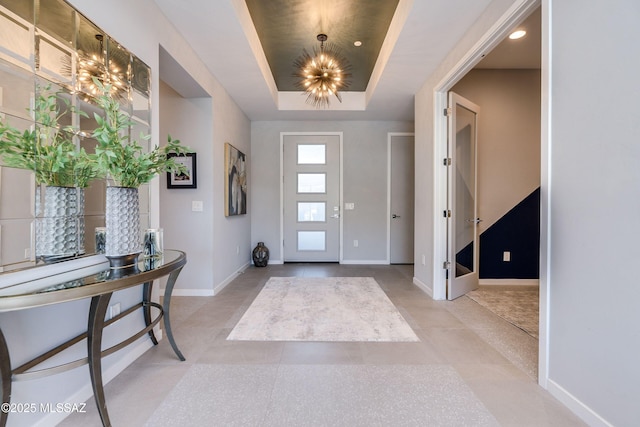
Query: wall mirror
{"points": [[49, 53]]}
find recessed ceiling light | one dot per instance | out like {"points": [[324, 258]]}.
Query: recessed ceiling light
{"points": [[517, 34], [357, 43]]}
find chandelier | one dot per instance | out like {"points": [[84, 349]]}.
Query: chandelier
{"points": [[322, 74], [109, 75]]}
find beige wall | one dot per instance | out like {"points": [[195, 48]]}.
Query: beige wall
{"points": [[508, 137]]}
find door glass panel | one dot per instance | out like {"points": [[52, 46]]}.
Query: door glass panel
{"points": [[311, 211], [311, 240], [465, 190], [312, 154], [312, 183]]}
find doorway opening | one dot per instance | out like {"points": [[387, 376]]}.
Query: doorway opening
{"points": [[458, 81]]}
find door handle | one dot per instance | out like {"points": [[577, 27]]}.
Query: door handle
{"points": [[335, 216], [395, 216], [475, 221]]}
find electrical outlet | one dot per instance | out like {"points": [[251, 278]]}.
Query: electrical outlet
{"points": [[506, 256], [27, 253], [197, 206], [355, 243]]}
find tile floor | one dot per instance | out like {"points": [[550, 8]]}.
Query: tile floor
{"points": [[470, 368]]}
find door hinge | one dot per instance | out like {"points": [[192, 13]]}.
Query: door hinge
{"points": [[447, 161], [446, 265], [447, 111], [447, 213]]}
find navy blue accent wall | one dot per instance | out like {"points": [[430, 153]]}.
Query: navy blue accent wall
{"points": [[518, 232], [464, 259]]}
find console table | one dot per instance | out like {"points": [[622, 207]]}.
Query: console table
{"points": [[98, 282]]}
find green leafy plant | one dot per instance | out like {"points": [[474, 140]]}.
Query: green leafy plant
{"points": [[47, 149], [118, 156]]}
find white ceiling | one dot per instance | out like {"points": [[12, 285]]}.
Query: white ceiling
{"points": [[421, 34]]}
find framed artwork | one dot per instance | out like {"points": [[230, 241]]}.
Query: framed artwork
{"points": [[187, 179], [235, 189]]}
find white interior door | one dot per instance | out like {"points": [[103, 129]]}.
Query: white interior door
{"points": [[462, 224], [311, 198], [401, 198]]}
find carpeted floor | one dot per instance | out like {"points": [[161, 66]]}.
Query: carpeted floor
{"points": [[517, 306], [334, 309]]}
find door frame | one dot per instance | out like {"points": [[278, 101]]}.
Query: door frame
{"points": [[390, 135], [340, 191], [512, 17]]}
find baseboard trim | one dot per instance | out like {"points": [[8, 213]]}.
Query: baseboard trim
{"points": [[364, 262], [509, 282], [86, 392], [587, 414], [190, 292], [427, 290], [348, 262], [180, 292], [219, 287]]}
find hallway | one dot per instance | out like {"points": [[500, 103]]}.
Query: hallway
{"points": [[470, 368]]}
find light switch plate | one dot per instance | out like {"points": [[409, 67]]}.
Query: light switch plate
{"points": [[196, 205], [349, 206]]}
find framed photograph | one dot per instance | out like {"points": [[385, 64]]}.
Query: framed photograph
{"points": [[235, 189], [187, 179]]}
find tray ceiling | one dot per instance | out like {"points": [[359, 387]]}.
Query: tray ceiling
{"points": [[285, 27]]}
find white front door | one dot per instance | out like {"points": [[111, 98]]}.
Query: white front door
{"points": [[401, 198], [311, 197], [462, 224]]}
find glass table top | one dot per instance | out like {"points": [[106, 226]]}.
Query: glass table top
{"points": [[59, 282]]}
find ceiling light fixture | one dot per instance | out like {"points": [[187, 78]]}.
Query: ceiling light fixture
{"points": [[322, 74], [517, 34], [95, 66]]}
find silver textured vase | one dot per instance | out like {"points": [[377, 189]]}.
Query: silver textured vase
{"points": [[122, 219], [59, 222]]}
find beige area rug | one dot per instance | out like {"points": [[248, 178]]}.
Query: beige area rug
{"points": [[322, 309], [518, 307]]}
